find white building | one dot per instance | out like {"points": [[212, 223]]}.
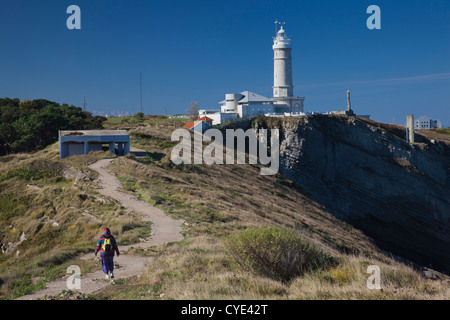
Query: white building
{"points": [[426, 123], [250, 104]]}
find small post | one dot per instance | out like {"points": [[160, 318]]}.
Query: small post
{"points": [[410, 128], [349, 106], [140, 83]]}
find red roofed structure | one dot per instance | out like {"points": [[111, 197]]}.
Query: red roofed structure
{"points": [[205, 118], [199, 125], [189, 125]]}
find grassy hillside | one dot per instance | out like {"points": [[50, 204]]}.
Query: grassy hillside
{"points": [[439, 135], [49, 214], [216, 201]]}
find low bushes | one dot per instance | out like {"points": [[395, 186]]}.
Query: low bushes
{"points": [[36, 170], [277, 253]]}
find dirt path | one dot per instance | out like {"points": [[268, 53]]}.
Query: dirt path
{"points": [[164, 230]]}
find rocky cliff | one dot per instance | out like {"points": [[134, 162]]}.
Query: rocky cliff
{"points": [[396, 192]]}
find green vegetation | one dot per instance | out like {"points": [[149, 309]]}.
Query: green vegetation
{"points": [[160, 142], [36, 170], [32, 125], [139, 116], [146, 120], [233, 217], [220, 204], [443, 130], [278, 253], [50, 214]]}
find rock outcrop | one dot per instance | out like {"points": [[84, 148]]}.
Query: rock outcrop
{"points": [[396, 192]]}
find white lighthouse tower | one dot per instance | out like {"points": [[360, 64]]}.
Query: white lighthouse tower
{"points": [[283, 89], [250, 104], [282, 81]]}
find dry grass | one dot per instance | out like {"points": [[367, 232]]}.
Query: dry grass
{"points": [[218, 200], [440, 135], [436, 134], [48, 217], [215, 201], [198, 269], [349, 281]]}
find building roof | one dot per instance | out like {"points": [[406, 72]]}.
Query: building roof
{"points": [[205, 118], [94, 133], [249, 96], [189, 125], [201, 121], [253, 97], [192, 124]]}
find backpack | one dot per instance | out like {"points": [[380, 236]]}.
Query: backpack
{"points": [[107, 245]]}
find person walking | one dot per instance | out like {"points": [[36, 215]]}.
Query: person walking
{"points": [[107, 245]]}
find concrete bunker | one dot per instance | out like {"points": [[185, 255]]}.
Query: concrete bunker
{"points": [[80, 142]]}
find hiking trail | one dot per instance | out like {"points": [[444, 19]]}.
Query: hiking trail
{"points": [[164, 230]]}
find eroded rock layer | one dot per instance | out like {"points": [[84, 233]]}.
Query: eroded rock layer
{"points": [[396, 192]]}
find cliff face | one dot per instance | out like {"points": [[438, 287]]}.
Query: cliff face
{"points": [[397, 193]]}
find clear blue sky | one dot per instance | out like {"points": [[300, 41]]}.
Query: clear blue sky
{"points": [[199, 50]]}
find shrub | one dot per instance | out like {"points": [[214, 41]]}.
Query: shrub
{"points": [[142, 135], [342, 276], [36, 170], [139, 115], [444, 131], [277, 253], [166, 144]]}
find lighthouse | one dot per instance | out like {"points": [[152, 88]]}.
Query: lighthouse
{"points": [[248, 104], [283, 89], [282, 75]]}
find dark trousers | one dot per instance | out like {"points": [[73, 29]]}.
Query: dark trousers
{"points": [[107, 264]]}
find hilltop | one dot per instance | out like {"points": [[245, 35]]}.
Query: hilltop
{"points": [[52, 214]]}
